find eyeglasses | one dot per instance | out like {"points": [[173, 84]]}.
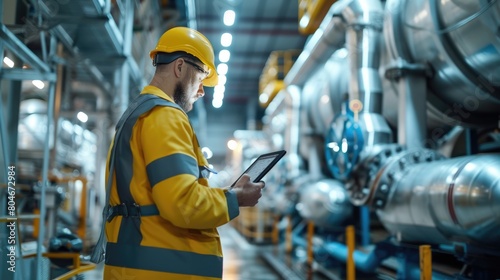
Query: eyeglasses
{"points": [[198, 67]]}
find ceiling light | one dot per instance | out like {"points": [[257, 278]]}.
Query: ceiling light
{"points": [[263, 98], [10, 63], [219, 88], [222, 69], [218, 95], [82, 117], [217, 103], [224, 56], [39, 84], [229, 17], [226, 39], [222, 80]]}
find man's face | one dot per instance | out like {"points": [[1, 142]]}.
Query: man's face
{"points": [[181, 98], [189, 90]]}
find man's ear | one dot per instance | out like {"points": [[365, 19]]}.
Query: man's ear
{"points": [[178, 67]]}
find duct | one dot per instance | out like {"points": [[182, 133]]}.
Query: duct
{"points": [[456, 199], [329, 37]]}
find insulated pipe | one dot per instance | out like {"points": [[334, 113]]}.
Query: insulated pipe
{"points": [[457, 197], [329, 37], [364, 20], [286, 106]]}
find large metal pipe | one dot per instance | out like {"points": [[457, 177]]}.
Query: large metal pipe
{"points": [[364, 19], [324, 202], [465, 86], [457, 198], [329, 37], [283, 123]]}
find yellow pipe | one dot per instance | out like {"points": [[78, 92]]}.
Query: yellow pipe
{"points": [[310, 235], [350, 240], [425, 262], [275, 233], [82, 226], [288, 245], [312, 13]]}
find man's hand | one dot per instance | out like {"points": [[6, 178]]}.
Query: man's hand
{"points": [[247, 192]]}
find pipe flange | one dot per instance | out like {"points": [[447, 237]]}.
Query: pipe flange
{"points": [[363, 176], [394, 171]]}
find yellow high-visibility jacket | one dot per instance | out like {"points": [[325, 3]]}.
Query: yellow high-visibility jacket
{"points": [[158, 163]]}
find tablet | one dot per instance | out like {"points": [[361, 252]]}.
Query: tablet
{"points": [[263, 164]]}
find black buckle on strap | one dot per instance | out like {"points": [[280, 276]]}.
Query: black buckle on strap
{"points": [[124, 209]]}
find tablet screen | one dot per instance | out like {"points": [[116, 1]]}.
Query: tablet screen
{"points": [[259, 166], [263, 164]]}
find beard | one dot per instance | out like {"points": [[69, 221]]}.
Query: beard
{"points": [[181, 98]]}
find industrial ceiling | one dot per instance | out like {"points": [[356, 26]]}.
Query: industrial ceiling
{"points": [[101, 48]]}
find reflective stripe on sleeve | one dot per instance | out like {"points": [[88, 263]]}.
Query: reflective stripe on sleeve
{"points": [[170, 166], [163, 260], [232, 205]]}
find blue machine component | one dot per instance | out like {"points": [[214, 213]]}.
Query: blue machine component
{"points": [[343, 144]]}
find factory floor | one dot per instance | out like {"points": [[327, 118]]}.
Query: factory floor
{"points": [[242, 260]]}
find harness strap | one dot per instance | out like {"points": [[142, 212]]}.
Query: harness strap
{"points": [[98, 253], [131, 210]]}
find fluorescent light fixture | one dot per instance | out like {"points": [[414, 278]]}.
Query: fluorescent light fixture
{"points": [[10, 63], [226, 39], [222, 69], [229, 17], [224, 56], [222, 80], [217, 103], [39, 84], [82, 117]]}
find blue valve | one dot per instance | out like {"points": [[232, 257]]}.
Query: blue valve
{"points": [[343, 144]]}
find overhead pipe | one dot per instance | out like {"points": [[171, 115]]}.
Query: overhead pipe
{"points": [[329, 37]]}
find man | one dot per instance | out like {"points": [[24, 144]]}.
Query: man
{"points": [[162, 219]]}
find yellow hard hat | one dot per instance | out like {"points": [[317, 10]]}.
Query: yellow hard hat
{"points": [[192, 42]]}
